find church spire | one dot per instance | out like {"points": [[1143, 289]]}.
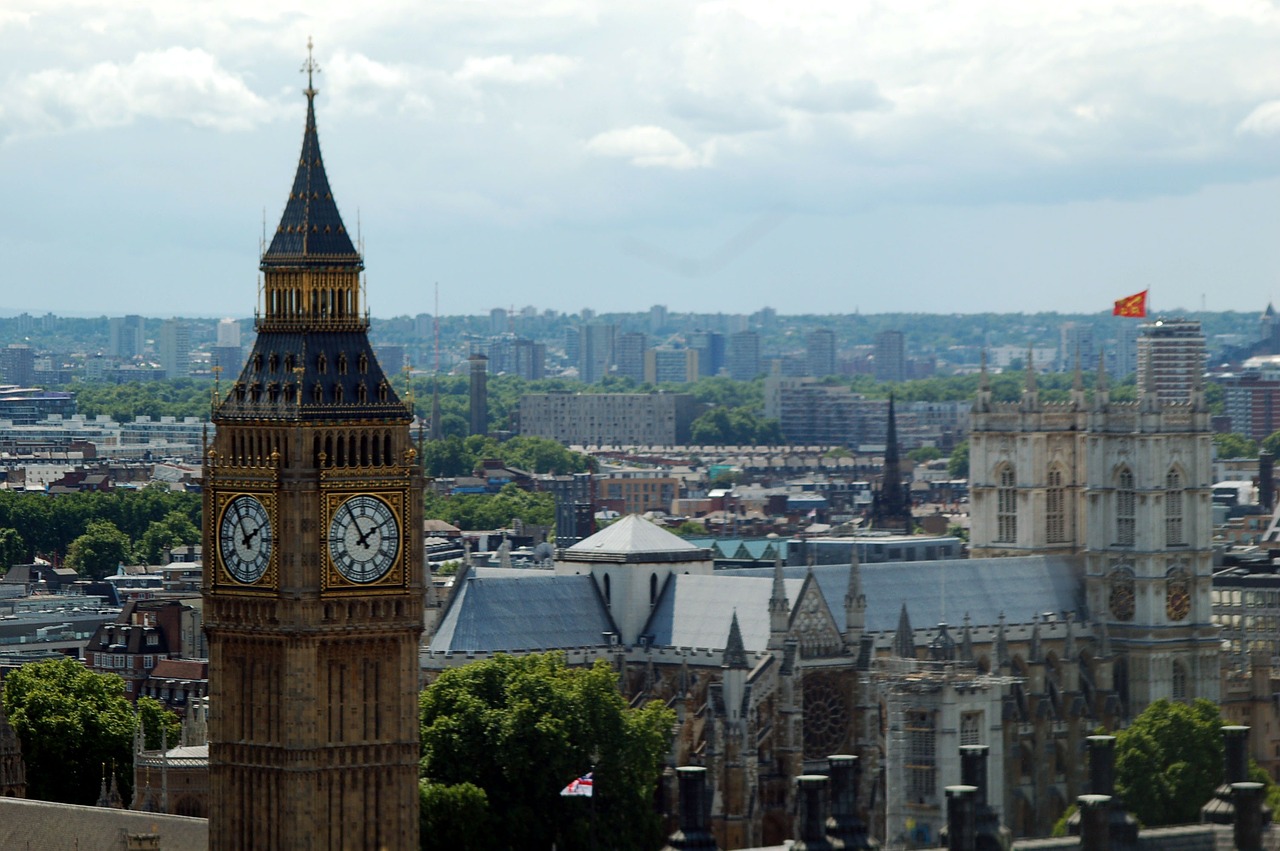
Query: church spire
{"points": [[779, 608], [855, 602], [904, 639], [735, 653]]}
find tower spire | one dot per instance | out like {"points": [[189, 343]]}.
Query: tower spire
{"points": [[311, 67]]}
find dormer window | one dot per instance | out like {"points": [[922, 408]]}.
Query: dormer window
{"points": [[322, 364], [337, 392], [342, 363], [317, 392], [274, 362], [364, 363], [257, 362]]}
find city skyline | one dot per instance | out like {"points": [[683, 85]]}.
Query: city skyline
{"points": [[720, 156]]}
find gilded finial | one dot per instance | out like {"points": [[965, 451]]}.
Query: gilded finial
{"points": [[297, 372], [311, 67], [217, 388]]}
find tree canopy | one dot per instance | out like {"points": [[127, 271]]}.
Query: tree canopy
{"points": [[520, 728], [1234, 445], [470, 511], [100, 550], [735, 426], [72, 724], [1169, 761]]}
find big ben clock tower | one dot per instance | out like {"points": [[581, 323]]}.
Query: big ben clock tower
{"points": [[313, 580]]}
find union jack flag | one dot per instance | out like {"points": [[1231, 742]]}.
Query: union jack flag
{"points": [[581, 786]]}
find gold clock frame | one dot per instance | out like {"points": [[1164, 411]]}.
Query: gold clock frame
{"points": [[396, 579], [223, 579]]}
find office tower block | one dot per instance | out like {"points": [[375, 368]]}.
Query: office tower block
{"points": [[1172, 351], [631, 347], [1076, 346], [820, 353], [890, 357], [498, 321], [126, 338], [18, 365], [670, 366], [595, 351], [175, 348], [744, 356], [710, 346]]}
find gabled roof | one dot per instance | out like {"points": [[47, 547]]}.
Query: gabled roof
{"points": [[634, 539], [310, 228], [534, 611]]}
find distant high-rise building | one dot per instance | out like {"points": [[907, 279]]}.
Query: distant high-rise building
{"points": [[1076, 347], [657, 318], [595, 351], [175, 348], [670, 366], [498, 321], [512, 355], [1124, 350], [126, 337], [478, 366], [631, 347], [744, 356], [820, 353], [573, 347], [1171, 355], [890, 357], [710, 346], [18, 365], [228, 333], [393, 359]]}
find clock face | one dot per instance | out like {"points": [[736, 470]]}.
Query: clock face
{"points": [[1121, 598], [1177, 604], [244, 538], [364, 539]]}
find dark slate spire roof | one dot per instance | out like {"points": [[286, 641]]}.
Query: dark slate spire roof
{"points": [[311, 227], [735, 653], [904, 639]]}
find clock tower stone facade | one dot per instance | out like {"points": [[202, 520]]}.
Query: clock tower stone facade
{"points": [[313, 581]]}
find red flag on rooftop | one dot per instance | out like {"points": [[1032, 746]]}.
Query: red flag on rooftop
{"points": [[1133, 305]]}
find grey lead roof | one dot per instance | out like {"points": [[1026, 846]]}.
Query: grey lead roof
{"points": [[696, 611], [1019, 586], [536, 612]]}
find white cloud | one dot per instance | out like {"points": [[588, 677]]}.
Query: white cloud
{"points": [[1263, 121], [646, 146], [536, 70], [176, 84]]}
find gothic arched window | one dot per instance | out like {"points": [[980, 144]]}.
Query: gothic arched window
{"points": [[1173, 509], [1179, 681], [1126, 508], [1055, 509], [1006, 505]]}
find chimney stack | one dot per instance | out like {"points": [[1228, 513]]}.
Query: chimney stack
{"points": [[1247, 798], [1220, 809], [844, 826], [1095, 822], [811, 817], [694, 833], [960, 818]]}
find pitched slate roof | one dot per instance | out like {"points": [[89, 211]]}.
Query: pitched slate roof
{"points": [[634, 539], [47, 826], [311, 228], [267, 389], [947, 590], [533, 611], [697, 611]]}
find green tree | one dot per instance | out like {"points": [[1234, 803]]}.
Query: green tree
{"points": [[690, 529], [100, 550], [1169, 760], [159, 724], [175, 530], [924, 454], [454, 817], [487, 723], [1234, 445], [13, 550], [72, 723], [1271, 443], [958, 464]]}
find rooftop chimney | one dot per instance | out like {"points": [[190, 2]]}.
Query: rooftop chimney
{"points": [[694, 833]]}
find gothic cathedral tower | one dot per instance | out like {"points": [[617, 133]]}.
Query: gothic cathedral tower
{"points": [[313, 580]]}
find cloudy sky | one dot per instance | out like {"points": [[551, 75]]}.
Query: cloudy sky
{"points": [[713, 156]]}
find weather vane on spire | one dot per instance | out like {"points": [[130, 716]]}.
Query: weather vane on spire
{"points": [[311, 67]]}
